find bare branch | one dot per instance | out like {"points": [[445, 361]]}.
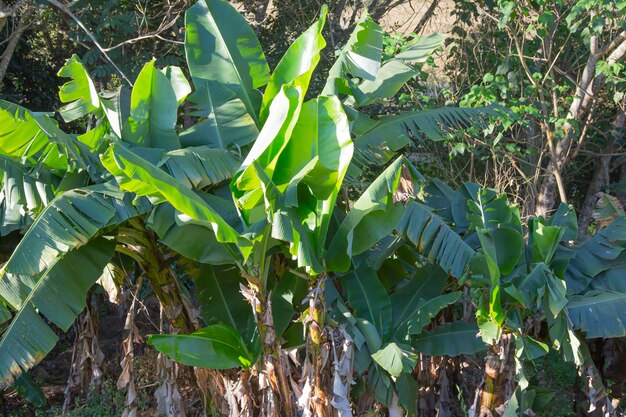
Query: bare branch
{"points": [[14, 39], [68, 12], [154, 34], [426, 17]]}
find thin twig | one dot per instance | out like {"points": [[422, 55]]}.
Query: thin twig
{"points": [[67, 11], [155, 34]]}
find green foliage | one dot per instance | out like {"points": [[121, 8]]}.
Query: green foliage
{"points": [[215, 347], [28, 338], [248, 191], [451, 339]]}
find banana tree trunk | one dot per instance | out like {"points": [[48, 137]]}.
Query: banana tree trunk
{"points": [[318, 351], [276, 394], [499, 377], [140, 243]]}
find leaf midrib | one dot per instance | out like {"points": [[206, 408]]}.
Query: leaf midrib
{"points": [[245, 94]]}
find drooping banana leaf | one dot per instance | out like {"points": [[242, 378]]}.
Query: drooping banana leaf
{"points": [[368, 298], [218, 291], [490, 210], [183, 236], [200, 167], [22, 137], [70, 220], [287, 298], [374, 215], [435, 239], [396, 359], [427, 309], [380, 143], [58, 292], [611, 279], [451, 339], [26, 386], [599, 313], [595, 255], [360, 57], [215, 347], [79, 155], [426, 283], [25, 192], [137, 175], [38, 138]]}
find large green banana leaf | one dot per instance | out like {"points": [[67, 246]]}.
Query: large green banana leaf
{"points": [[599, 313], [315, 162], [80, 93], [451, 339], [595, 255], [391, 77], [200, 167], [183, 237], [427, 309], [58, 292], [304, 167], [225, 120], [297, 65], [396, 359], [153, 111], [272, 140], [215, 347], [381, 142], [70, 220], [368, 298], [374, 215], [38, 138], [218, 291], [67, 224], [435, 239], [220, 46], [426, 283], [394, 74], [360, 57], [82, 98], [25, 192], [138, 175], [421, 48], [22, 137]]}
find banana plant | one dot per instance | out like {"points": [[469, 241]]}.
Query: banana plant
{"points": [[540, 270], [249, 197], [81, 215], [286, 188]]}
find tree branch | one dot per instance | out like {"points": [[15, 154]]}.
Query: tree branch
{"points": [[427, 15], [13, 41], [67, 11]]}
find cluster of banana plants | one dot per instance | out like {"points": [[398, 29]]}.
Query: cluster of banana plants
{"points": [[320, 304]]}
